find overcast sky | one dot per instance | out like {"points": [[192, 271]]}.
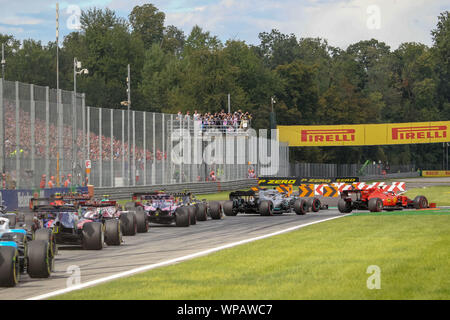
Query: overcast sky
{"points": [[341, 22]]}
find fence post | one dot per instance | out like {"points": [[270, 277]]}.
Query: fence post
{"points": [[32, 127], [144, 173], [134, 149], [17, 149], [111, 169], [88, 142], [154, 152], [2, 130], [163, 149], [60, 133], [47, 132], [83, 120], [100, 147], [123, 148]]}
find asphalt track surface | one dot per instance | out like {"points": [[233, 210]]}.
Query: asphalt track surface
{"points": [[161, 243]]}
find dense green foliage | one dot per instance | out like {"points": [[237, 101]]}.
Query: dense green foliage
{"points": [[313, 82]]}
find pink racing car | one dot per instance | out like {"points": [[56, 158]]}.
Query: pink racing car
{"points": [[164, 208]]}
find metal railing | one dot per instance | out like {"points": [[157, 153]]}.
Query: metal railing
{"points": [[52, 133]]}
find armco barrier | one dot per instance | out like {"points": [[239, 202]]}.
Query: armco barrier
{"points": [[390, 176], [14, 199], [196, 188]]}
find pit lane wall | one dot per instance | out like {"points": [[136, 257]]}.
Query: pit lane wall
{"points": [[15, 199], [366, 134]]}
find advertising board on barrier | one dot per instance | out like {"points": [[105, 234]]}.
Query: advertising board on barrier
{"points": [[366, 134], [297, 181], [435, 173], [14, 199]]}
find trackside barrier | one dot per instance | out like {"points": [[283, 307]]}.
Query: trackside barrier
{"points": [[14, 199], [196, 188], [335, 189]]}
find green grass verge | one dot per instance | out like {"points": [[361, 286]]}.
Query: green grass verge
{"points": [[323, 261], [437, 194]]}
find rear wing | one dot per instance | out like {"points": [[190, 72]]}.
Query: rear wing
{"points": [[236, 194], [143, 195], [96, 203], [155, 194], [48, 204], [71, 196], [39, 202]]}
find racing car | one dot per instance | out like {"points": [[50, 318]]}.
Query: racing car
{"points": [[267, 202], [167, 208], [20, 254], [62, 224], [377, 199], [130, 222]]}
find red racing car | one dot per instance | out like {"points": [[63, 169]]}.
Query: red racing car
{"points": [[376, 200]]}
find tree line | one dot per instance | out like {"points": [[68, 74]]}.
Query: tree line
{"points": [[313, 82]]}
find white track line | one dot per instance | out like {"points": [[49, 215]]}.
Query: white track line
{"points": [[172, 261]]}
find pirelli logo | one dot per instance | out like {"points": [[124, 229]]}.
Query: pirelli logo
{"points": [[426, 132], [332, 135]]}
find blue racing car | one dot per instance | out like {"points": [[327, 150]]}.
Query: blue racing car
{"points": [[20, 254]]}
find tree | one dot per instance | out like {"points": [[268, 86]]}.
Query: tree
{"points": [[277, 48], [173, 40], [148, 22], [299, 93], [441, 50]]}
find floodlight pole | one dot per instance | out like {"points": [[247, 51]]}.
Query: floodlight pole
{"points": [[3, 61], [3, 116], [76, 66], [128, 125]]}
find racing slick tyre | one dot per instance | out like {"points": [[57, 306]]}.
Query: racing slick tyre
{"points": [[228, 208], [314, 204], [192, 215], [128, 223], [215, 210], [375, 205], [265, 208], [130, 206], [9, 266], [344, 206], [93, 236], [182, 217], [201, 212], [420, 202], [141, 220], [40, 260], [47, 235], [300, 206], [113, 232]]}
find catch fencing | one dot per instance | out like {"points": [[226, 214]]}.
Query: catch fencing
{"points": [[350, 170], [53, 133]]}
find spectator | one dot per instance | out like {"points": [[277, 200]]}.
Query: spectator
{"points": [[51, 182], [68, 183], [212, 176], [43, 182]]}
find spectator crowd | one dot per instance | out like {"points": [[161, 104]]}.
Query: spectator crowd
{"points": [[225, 122]]}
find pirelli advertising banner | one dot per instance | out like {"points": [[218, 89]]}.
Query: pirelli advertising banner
{"points": [[436, 173], [366, 134]]}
